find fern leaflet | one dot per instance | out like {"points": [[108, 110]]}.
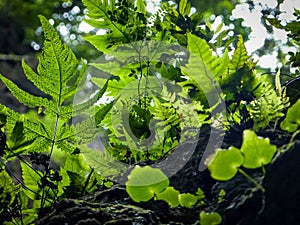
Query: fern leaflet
{"points": [[203, 67], [239, 57]]}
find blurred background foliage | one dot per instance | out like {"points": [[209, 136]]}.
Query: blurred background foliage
{"points": [[20, 32]]}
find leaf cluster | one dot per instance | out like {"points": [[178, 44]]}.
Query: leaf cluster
{"points": [[255, 152], [146, 183], [250, 97], [292, 28], [291, 122], [34, 139]]}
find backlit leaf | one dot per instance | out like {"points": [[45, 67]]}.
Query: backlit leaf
{"points": [[257, 150], [210, 218], [31, 180], [292, 121], [146, 182], [225, 164], [187, 200], [169, 195]]}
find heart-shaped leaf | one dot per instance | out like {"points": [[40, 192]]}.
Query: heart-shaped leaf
{"points": [[225, 163], [169, 195], [292, 120], [187, 200], [145, 182], [210, 218], [257, 150]]}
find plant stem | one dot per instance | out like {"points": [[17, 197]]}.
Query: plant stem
{"points": [[287, 146], [87, 182], [294, 135], [263, 170], [252, 180]]}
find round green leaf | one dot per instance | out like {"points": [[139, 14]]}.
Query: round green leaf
{"points": [[225, 164], [257, 150], [288, 125], [169, 195], [187, 200], [145, 182], [210, 218], [292, 120]]}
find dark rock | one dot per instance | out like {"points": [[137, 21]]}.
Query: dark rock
{"points": [[282, 186], [278, 205], [80, 212], [110, 206], [243, 204]]}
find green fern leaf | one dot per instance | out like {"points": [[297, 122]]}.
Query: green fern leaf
{"points": [[31, 180], [58, 75], [103, 162], [239, 58], [203, 67], [57, 66], [103, 42], [237, 69], [26, 98], [9, 191], [141, 6], [268, 106], [70, 137], [209, 65], [100, 18]]}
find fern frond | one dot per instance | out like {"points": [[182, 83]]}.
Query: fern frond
{"points": [[103, 162], [268, 105], [27, 98], [57, 66], [69, 137], [239, 58], [176, 111], [239, 68], [98, 12], [203, 66], [58, 75]]}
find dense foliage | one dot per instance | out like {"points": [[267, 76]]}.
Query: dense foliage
{"points": [[163, 78]]}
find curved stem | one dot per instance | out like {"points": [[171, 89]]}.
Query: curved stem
{"points": [[252, 180], [294, 135], [263, 170], [21, 159], [18, 180]]}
